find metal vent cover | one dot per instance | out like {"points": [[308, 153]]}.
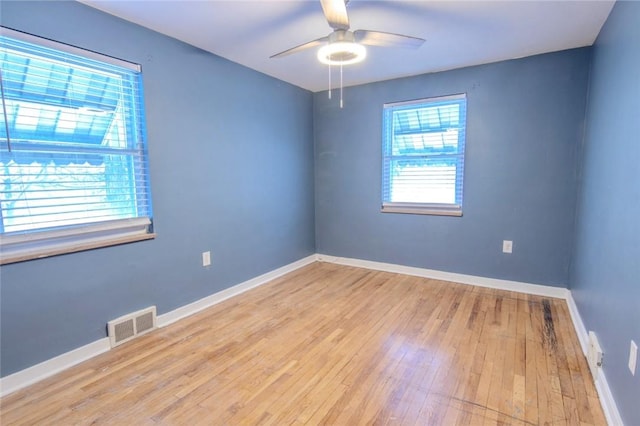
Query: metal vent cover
{"points": [[130, 326], [123, 330], [145, 322]]}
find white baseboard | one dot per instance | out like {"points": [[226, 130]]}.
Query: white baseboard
{"points": [[604, 392], [520, 287], [581, 330], [31, 375], [199, 305], [48, 368], [609, 405], [607, 402], [64, 361]]}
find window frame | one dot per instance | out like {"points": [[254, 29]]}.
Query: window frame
{"points": [[43, 242], [424, 208]]}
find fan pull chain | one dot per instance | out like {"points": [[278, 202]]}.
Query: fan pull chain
{"points": [[341, 104], [329, 66]]}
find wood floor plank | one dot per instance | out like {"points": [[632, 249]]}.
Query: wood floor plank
{"points": [[336, 345], [531, 385]]}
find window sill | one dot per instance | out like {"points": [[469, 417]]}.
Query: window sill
{"points": [[421, 209], [20, 248]]}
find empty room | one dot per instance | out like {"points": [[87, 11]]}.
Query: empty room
{"points": [[319, 212]]}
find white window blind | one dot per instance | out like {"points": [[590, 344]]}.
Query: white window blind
{"points": [[423, 156], [73, 160]]}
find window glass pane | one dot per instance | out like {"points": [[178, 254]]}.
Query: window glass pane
{"points": [[75, 153], [421, 143], [424, 152], [52, 101], [44, 190], [423, 181]]}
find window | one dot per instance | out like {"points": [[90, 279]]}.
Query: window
{"points": [[73, 163], [423, 156]]}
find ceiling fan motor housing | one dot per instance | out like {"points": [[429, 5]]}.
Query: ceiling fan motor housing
{"points": [[345, 47], [341, 49]]}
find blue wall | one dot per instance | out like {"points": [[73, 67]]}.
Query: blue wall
{"points": [[232, 169], [231, 159], [605, 279], [524, 125]]}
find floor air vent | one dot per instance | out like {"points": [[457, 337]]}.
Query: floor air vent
{"points": [[131, 325]]}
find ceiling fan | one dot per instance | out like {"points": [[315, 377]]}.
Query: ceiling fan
{"points": [[343, 46]]}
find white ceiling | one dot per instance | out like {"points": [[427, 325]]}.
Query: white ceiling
{"points": [[458, 33]]}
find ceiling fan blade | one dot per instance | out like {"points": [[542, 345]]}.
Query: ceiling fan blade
{"points": [[336, 13], [378, 38], [301, 47]]}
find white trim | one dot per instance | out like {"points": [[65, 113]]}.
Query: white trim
{"points": [[427, 100], [536, 289], [78, 51], [129, 225], [45, 369], [607, 402], [55, 365], [18, 246], [31, 375], [581, 331], [609, 405], [204, 303], [421, 208]]}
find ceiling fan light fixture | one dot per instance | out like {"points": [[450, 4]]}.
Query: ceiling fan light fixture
{"points": [[342, 53]]}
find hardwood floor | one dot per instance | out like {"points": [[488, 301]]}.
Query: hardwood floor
{"points": [[336, 345]]}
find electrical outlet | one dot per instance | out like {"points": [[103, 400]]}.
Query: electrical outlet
{"points": [[633, 356], [206, 258], [507, 246]]}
